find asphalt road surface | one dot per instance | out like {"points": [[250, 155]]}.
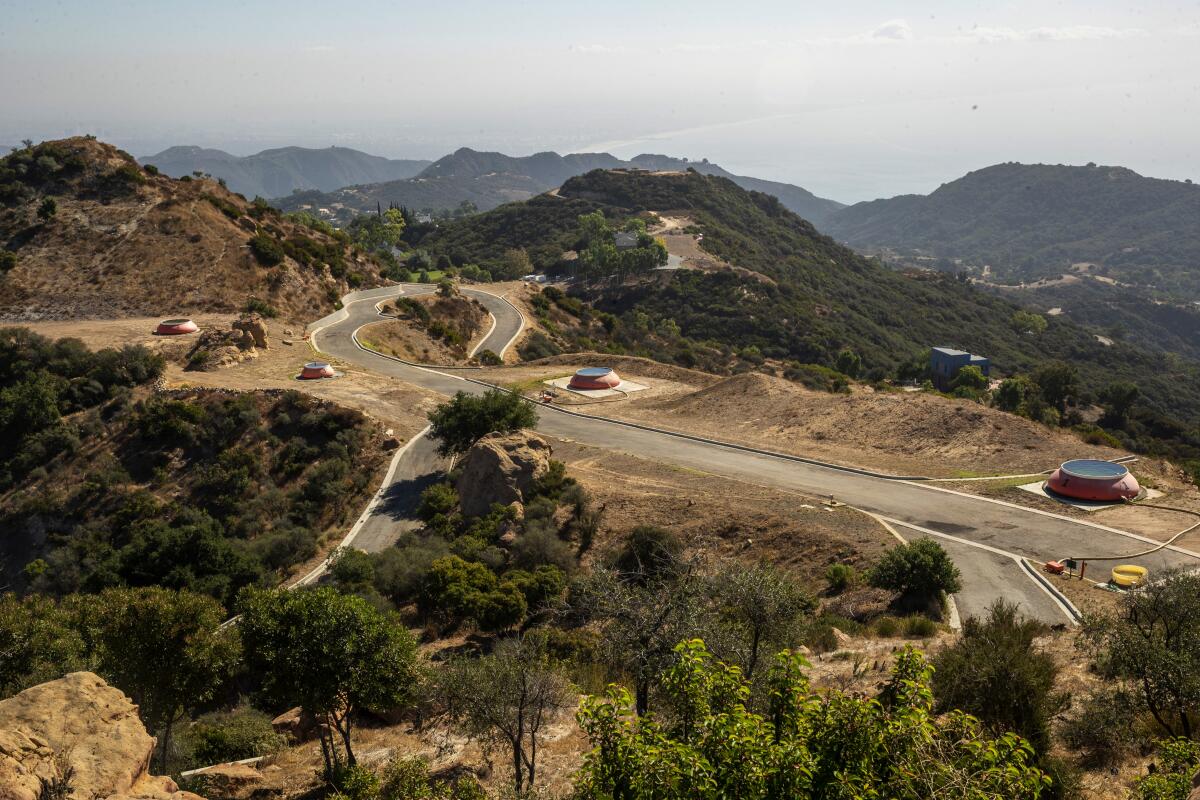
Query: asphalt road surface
{"points": [[983, 536]]}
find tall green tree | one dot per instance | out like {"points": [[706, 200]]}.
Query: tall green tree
{"points": [[1058, 382], [510, 696], [378, 231], [1119, 399], [1028, 322], [38, 642], [466, 418], [970, 378], [848, 363], [331, 654], [641, 619], [1152, 645], [166, 649], [761, 607]]}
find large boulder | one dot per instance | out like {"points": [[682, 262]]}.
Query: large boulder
{"points": [[81, 722], [296, 723], [501, 468], [229, 781], [255, 327]]}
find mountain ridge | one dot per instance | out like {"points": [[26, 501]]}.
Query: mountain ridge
{"points": [[1031, 221], [488, 179], [282, 170]]}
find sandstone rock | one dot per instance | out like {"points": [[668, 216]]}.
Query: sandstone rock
{"points": [[80, 721], [230, 781], [843, 640], [296, 723], [254, 326], [501, 468], [214, 349]]}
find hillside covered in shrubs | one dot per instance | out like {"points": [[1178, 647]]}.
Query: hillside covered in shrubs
{"points": [[107, 484], [86, 231], [1030, 221], [805, 300]]}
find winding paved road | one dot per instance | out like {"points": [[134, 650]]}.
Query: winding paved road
{"points": [[985, 537]]}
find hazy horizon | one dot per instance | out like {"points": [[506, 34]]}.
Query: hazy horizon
{"points": [[852, 104]]}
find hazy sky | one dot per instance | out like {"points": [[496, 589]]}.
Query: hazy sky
{"points": [[853, 103]]}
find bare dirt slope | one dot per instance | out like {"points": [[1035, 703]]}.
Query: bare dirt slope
{"points": [[717, 517], [125, 242], [910, 433]]}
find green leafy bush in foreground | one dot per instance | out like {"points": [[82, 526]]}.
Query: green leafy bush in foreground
{"points": [[805, 744]]}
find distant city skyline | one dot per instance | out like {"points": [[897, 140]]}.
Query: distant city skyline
{"points": [[871, 101]]}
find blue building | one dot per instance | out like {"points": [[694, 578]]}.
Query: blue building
{"points": [[945, 362]]}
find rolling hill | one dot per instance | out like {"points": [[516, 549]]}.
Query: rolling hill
{"points": [[488, 180], [811, 297], [1031, 221], [279, 172], [86, 232]]}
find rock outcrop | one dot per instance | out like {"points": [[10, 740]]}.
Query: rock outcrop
{"points": [[501, 468], [217, 348], [295, 723], [229, 782], [255, 328], [81, 722]]}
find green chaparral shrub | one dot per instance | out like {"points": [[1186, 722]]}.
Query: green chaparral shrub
{"points": [[266, 250], [920, 571], [824, 746]]}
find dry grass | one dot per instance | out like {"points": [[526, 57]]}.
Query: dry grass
{"points": [[162, 250]]}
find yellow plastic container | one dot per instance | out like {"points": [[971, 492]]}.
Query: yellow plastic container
{"points": [[1128, 575]]}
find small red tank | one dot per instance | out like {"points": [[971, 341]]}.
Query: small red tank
{"points": [[175, 327], [1094, 480], [315, 370], [595, 378]]}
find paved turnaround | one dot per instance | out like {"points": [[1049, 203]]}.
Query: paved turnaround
{"points": [[985, 537]]}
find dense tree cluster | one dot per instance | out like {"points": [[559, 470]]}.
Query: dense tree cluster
{"points": [[43, 383], [205, 491], [164, 648], [601, 259]]}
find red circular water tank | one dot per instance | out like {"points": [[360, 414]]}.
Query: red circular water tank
{"points": [[175, 327], [594, 378], [1095, 480], [314, 370]]}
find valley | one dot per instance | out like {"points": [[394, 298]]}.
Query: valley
{"points": [[774, 427]]}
